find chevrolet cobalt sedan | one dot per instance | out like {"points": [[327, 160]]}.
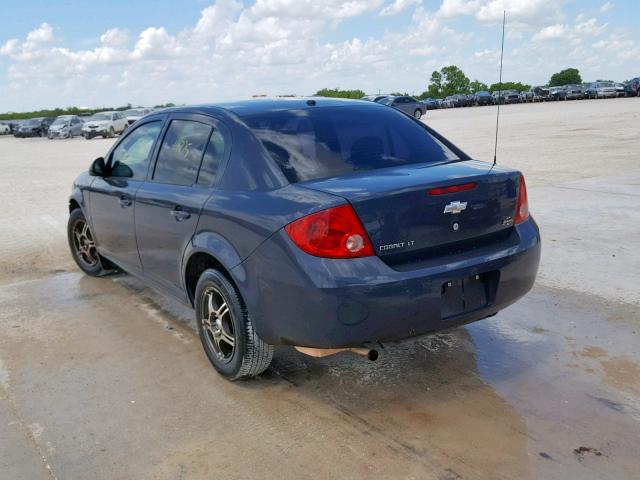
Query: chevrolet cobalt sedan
{"points": [[323, 224]]}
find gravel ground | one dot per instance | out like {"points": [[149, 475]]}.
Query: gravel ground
{"points": [[104, 378]]}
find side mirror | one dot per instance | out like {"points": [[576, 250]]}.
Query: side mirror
{"points": [[121, 170], [98, 168]]}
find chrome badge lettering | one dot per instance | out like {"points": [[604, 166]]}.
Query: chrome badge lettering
{"points": [[455, 207]]}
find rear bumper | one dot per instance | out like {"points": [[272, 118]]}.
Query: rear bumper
{"points": [[298, 299]]}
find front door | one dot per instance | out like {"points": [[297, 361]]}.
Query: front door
{"points": [[168, 205], [111, 199]]}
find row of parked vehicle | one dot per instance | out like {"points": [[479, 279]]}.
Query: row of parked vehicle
{"points": [[102, 124], [599, 89]]}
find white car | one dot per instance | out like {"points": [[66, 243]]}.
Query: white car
{"points": [[4, 129], [135, 114], [104, 124]]}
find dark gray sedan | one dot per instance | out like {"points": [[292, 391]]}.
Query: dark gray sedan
{"points": [[408, 105]]}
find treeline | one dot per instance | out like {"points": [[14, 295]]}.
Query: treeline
{"points": [[56, 112], [451, 80]]}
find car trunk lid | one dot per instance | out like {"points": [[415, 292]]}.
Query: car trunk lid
{"points": [[408, 211]]}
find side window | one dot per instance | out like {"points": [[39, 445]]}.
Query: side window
{"points": [[213, 156], [134, 151], [181, 152]]}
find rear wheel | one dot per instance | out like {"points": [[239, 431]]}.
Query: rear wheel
{"points": [[82, 245], [417, 114], [226, 330]]}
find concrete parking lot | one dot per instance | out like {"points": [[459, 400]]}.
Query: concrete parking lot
{"points": [[105, 379]]}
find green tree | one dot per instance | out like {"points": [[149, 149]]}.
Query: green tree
{"points": [[337, 93], [565, 77], [454, 81], [448, 81], [521, 87], [478, 86]]}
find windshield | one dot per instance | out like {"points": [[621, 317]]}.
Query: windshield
{"points": [[386, 101], [33, 122], [134, 113], [325, 142], [61, 121], [99, 117]]}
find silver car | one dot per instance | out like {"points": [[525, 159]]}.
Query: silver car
{"points": [[65, 126], [408, 105], [135, 114]]}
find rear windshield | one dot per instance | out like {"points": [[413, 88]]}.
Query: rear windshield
{"points": [[326, 142]]}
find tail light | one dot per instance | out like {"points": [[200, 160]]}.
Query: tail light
{"points": [[332, 233], [522, 209]]}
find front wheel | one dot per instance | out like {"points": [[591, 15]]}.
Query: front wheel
{"points": [[417, 114], [82, 245], [226, 330], [112, 132]]}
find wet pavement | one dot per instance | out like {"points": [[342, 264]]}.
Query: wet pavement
{"points": [[104, 378]]}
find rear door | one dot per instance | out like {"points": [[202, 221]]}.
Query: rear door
{"points": [[111, 198], [168, 204]]}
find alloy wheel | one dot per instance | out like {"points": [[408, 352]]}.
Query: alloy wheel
{"points": [[85, 247], [217, 323]]}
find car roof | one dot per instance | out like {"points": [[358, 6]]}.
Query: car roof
{"points": [[245, 108]]}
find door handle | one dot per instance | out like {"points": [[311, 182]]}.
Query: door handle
{"points": [[179, 214], [125, 201]]}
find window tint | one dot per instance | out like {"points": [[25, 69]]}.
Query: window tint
{"points": [[135, 149], [329, 141], [213, 156], [181, 152]]}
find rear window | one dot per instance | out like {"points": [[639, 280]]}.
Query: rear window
{"points": [[326, 142]]}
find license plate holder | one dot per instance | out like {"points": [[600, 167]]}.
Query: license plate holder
{"points": [[467, 294]]}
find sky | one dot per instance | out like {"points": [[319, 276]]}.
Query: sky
{"points": [[148, 52]]}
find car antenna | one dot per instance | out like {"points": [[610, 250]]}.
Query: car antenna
{"points": [[495, 149]]}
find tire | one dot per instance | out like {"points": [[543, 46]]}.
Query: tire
{"points": [[249, 355], [86, 136], [417, 114], [90, 261]]}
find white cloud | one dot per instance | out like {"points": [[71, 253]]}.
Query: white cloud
{"points": [[398, 6], [586, 28], [42, 34], [605, 7], [286, 46], [114, 37]]}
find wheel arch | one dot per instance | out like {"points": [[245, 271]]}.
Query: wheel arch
{"points": [[207, 250]]}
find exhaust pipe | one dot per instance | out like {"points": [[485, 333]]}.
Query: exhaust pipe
{"points": [[368, 353]]}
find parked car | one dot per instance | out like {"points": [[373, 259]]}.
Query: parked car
{"points": [[557, 93], [104, 124], [431, 103], [373, 98], [14, 125], [135, 114], [483, 98], [539, 94], [602, 90], [620, 90], [65, 126], [34, 127], [316, 223], [632, 88], [506, 96], [408, 105], [573, 92], [4, 129]]}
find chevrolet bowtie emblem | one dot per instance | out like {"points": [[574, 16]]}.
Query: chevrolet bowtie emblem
{"points": [[455, 207]]}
